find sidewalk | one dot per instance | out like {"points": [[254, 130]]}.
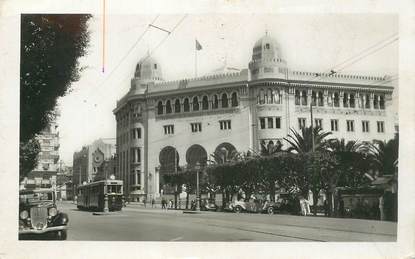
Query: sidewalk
{"points": [[139, 206]]}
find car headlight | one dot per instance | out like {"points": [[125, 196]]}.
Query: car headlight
{"points": [[24, 214], [53, 212]]}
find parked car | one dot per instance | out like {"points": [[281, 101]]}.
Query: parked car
{"points": [[38, 214], [208, 205], [255, 206]]}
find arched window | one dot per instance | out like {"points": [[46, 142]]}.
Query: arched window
{"points": [[160, 108], [313, 98], [297, 97], [367, 103], [186, 106], [261, 96], [320, 99], [234, 100], [168, 107], [269, 96], [304, 97], [205, 103], [195, 103], [375, 102], [382, 102], [215, 104], [336, 100], [345, 100], [277, 96], [177, 106], [224, 100], [351, 101]]}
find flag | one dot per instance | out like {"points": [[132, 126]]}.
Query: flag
{"points": [[198, 46]]}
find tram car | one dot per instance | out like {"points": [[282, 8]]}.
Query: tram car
{"points": [[91, 196]]}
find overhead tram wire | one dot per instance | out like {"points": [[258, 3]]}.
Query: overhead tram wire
{"points": [[334, 70], [126, 55], [167, 36], [128, 75], [370, 53]]}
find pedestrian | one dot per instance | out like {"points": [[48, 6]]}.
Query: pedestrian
{"points": [[301, 202], [171, 204], [326, 207], [341, 208], [144, 202], [307, 207], [381, 208], [163, 203], [152, 203]]}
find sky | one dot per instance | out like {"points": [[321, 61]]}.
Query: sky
{"points": [[308, 42]]}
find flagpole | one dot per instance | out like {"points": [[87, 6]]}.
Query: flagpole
{"points": [[195, 58]]}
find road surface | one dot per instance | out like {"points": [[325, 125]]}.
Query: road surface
{"points": [[136, 223]]}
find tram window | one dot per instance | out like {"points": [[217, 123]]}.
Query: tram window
{"points": [[114, 189]]}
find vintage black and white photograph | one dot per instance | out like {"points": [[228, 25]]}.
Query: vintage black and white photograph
{"points": [[209, 127]]}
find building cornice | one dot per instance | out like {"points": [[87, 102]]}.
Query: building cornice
{"points": [[255, 83]]}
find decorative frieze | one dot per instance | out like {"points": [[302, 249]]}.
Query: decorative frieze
{"points": [[340, 111], [269, 107], [198, 113]]}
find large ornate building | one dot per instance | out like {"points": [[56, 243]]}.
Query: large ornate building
{"points": [[162, 125]]}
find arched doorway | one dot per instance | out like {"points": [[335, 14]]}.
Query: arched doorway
{"points": [[169, 160], [224, 152], [196, 153]]}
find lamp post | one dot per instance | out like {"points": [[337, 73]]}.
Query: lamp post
{"points": [[197, 167]]}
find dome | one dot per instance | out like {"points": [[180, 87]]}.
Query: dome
{"points": [[266, 46], [148, 69], [267, 60]]}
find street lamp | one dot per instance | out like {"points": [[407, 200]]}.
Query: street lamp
{"points": [[197, 167]]}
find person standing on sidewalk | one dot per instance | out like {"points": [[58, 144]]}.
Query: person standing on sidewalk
{"points": [[152, 203], [144, 202]]}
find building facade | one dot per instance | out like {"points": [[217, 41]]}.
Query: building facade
{"points": [[164, 125], [89, 161], [44, 175]]}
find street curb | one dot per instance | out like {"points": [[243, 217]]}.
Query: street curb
{"points": [[105, 213], [192, 212]]}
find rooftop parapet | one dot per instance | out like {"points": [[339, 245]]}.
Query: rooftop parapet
{"points": [[338, 78], [202, 81]]}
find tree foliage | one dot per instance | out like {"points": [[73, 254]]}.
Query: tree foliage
{"points": [[385, 155], [51, 46], [302, 142], [28, 152]]}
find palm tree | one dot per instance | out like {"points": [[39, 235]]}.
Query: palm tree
{"points": [[271, 148], [353, 164], [385, 155], [224, 156], [303, 142]]}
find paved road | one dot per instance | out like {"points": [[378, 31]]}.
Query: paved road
{"points": [[136, 223]]}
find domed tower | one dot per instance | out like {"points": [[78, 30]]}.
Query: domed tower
{"points": [[267, 60], [148, 70]]}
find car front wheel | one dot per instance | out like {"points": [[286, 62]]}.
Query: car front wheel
{"points": [[61, 235], [270, 210], [238, 209]]}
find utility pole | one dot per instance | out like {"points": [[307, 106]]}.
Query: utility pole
{"points": [[312, 126]]}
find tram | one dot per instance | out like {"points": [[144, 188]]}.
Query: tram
{"points": [[91, 196]]}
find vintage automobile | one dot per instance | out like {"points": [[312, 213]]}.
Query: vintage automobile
{"points": [[208, 205], [255, 206], [39, 216]]}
